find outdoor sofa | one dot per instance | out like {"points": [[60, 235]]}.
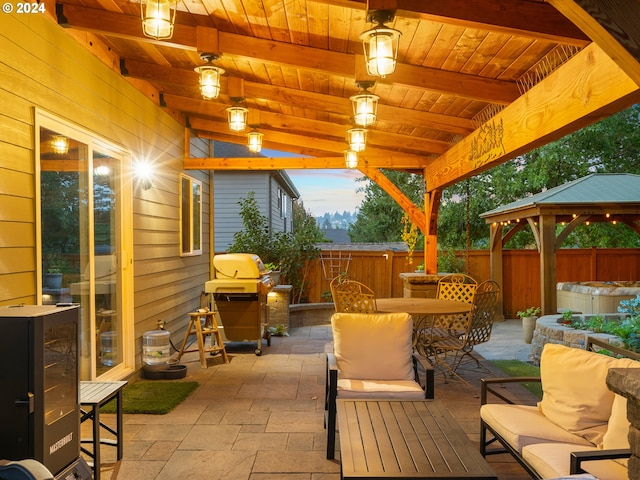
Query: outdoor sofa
{"points": [[577, 420]]}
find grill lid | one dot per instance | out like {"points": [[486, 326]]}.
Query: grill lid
{"points": [[238, 266]]}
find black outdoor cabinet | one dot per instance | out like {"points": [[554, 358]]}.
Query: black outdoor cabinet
{"points": [[39, 387]]}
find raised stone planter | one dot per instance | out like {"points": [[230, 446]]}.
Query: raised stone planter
{"points": [[548, 330]]}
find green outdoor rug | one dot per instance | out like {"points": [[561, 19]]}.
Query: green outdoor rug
{"points": [[516, 368], [154, 397]]}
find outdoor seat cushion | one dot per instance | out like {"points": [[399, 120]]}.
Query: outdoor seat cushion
{"points": [[401, 389], [522, 425], [552, 460]]}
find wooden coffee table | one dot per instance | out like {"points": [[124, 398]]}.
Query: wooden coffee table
{"points": [[405, 439]]}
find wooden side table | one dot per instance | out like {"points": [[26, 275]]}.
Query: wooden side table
{"points": [[202, 324], [94, 395]]}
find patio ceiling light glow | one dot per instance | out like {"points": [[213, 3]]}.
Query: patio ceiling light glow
{"points": [[237, 116], [209, 76], [365, 106], [380, 44], [60, 144], [254, 139], [158, 18], [350, 158], [357, 139]]}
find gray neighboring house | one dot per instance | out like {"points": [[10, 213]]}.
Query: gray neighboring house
{"points": [[274, 193]]}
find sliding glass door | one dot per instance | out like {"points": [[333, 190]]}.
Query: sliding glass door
{"points": [[81, 198]]}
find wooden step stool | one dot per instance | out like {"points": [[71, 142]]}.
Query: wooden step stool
{"points": [[200, 328]]}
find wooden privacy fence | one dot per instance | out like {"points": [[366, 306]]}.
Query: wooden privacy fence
{"points": [[380, 270]]}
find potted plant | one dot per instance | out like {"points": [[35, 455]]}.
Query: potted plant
{"points": [[567, 317], [529, 317], [55, 269], [274, 272]]}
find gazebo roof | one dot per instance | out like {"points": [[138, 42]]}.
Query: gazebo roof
{"points": [[615, 192]]}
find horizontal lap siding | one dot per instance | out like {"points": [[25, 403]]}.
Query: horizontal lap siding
{"points": [[42, 66]]}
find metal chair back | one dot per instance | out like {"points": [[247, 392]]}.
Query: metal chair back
{"points": [[350, 296]]}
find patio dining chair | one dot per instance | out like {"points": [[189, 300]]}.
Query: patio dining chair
{"points": [[351, 296], [458, 287], [452, 338], [372, 357]]}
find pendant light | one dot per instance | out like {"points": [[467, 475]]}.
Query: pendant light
{"points": [[365, 105], [237, 115], [380, 44], [158, 18], [254, 140], [209, 76], [350, 158], [357, 139]]}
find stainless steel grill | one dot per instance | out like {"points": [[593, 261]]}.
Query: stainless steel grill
{"points": [[239, 291]]}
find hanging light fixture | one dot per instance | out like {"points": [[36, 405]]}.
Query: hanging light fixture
{"points": [[237, 115], [158, 18], [380, 44], [357, 139], [254, 138], [60, 144], [350, 158], [365, 105], [209, 76]]}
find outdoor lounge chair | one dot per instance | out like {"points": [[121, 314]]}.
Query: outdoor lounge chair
{"points": [[373, 358]]}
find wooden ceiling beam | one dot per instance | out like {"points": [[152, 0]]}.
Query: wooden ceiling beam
{"points": [[397, 162], [295, 139], [535, 20], [614, 27], [312, 128], [294, 56], [303, 99], [589, 87]]}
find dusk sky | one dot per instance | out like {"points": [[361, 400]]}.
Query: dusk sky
{"points": [[328, 191], [324, 191]]}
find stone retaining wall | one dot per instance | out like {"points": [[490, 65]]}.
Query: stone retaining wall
{"points": [[307, 314], [548, 330]]}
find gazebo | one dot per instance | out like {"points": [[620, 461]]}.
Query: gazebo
{"points": [[599, 197]]}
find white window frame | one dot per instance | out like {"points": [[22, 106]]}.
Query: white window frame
{"points": [[187, 218]]}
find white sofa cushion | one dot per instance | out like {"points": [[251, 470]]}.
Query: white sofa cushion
{"points": [[575, 394], [552, 460], [402, 389], [522, 425], [373, 346]]}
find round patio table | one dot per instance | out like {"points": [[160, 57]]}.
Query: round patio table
{"points": [[422, 306]]}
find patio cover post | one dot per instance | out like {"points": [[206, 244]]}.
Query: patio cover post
{"points": [[547, 226]]}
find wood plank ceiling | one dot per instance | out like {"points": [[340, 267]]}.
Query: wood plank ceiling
{"points": [[477, 82]]}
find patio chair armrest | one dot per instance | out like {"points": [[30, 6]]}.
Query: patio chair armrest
{"points": [[429, 382], [487, 386], [578, 457]]}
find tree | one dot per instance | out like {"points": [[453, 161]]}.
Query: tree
{"points": [[379, 216], [290, 251]]}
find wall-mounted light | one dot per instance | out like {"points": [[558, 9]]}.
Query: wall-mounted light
{"points": [[357, 139], [209, 76], [365, 105], [237, 116], [144, 172], [60, 144], [158, 18], [254, 140], [380, 44], [350, 158]]}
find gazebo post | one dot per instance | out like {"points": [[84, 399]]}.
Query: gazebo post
{"points": [[548, 294], [495, 258]]}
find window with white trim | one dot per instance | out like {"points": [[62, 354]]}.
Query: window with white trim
{"points": [[190, 216]]}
